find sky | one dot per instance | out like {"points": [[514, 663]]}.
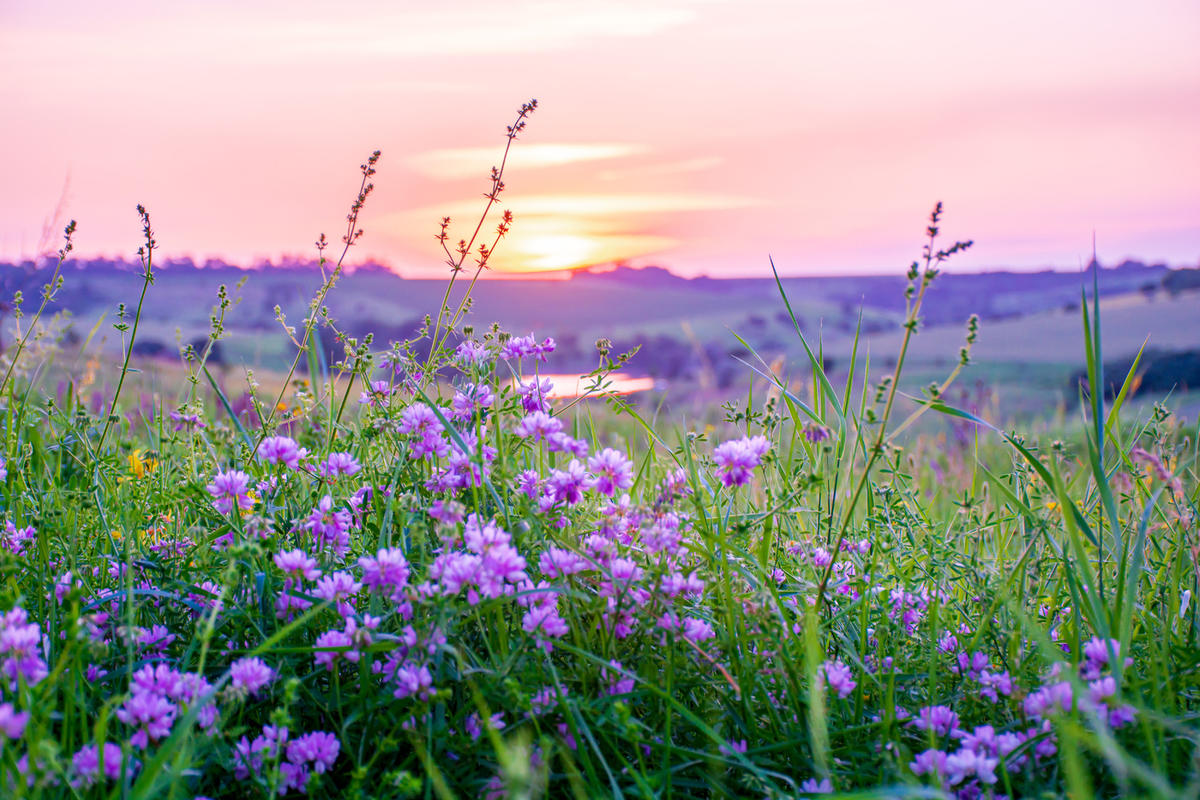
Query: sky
{"points": [[699, 135]]}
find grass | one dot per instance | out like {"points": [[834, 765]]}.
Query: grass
{"points": [[399, 578]]}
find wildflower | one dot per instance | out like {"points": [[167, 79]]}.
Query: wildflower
{"points": [[338, 588], [547, 698], [562, 443], [529, 483], [336, 464], [673, 486], [522, 346], [413, 680], [156, 637], [248, 675], [421, 423], [282, 450], [568, 485], [533, 395], [297, 564], [556, 562], [151, 714], [470, 399], [697, 630], [1050, 699], [732, 746], [12, 722], [939, 719], [618, 683], [376, 394], [332, 645], [329, 527], [992, 685], [968, 764], [184, 421], [813, 786], [474, 729], [973, 664], [85, 764], [447, 512], [471, 352], [1155, 466], [157, 679], [386, 573], [930, 762], [248, 756], [141, 462], [229, 489], [816, 433], [538, 425], [1096, 656], [543, 619], [318, 748], [838, 677], [736, 459], [612, 470], [20, 649]]}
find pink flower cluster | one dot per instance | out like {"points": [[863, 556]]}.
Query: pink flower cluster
{"points": [[737, 458]]}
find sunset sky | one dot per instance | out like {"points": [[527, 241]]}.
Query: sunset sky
{"points": [[697, 135]]}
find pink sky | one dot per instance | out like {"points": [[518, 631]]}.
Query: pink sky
{"points": [[698, 135]]}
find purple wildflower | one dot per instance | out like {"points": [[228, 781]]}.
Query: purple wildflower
{"points": [[336, 464], [184, 421], [12, 722], [737, 458], [386, 573], [939, 719], [538, 425], [471, 398], [612, 470], [20, 649], [318, 748], [281, 450], [151, 714], [329, 527], [85, 764], [534, 394], [813, 786], [230, 488], [340, 589], [838, 677], [568, 485], [248, 675], [297, 564]]}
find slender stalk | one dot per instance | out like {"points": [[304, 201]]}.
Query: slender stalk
{"points": [[147, 279], [912, 318]]}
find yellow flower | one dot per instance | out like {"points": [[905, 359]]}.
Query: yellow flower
{"points": [[1052, 505], [141, 462], [253, 495]]}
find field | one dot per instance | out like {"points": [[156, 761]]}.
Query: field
{"points": [[394, 572]]}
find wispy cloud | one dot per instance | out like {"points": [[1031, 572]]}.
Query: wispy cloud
{"points": [[667, 168], [585, 205], [464, 162], [307, 29]]}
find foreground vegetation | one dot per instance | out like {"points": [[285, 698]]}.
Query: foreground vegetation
{"points": [[412, 575]]}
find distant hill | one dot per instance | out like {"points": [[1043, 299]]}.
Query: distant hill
{"points": [[682, 324]]}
